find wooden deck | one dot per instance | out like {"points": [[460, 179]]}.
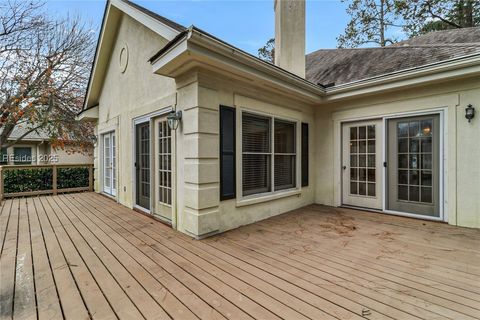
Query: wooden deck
{"points": [[81, 256]]}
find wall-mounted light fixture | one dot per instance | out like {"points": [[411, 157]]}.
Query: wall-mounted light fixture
{"points": [[173, 119], [469, 112]]}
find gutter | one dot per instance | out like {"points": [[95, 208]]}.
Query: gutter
{"points": [[206, 40], [324, 93]]}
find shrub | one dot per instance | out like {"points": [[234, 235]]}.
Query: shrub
{"points": [[72, 178], [23, 180], [37, 179]]}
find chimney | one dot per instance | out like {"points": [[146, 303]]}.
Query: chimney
{"points": [[290, 35]]}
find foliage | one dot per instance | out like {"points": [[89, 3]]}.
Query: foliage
{"points": [[422, 16], [372, 20], [72, 177], [23, 180], [267, 52], [369, 23], [44, 70]]}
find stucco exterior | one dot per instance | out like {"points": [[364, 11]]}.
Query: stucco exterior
{"points": [[461, 147], [197, 83]]}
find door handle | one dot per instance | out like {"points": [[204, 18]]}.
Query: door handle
{"points": [[344, 167], [385, 164]]}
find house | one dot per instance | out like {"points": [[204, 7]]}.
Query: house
{"points": [[36, 148], [207, 137]]}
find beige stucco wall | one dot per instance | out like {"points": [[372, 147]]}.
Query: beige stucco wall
{"points": [[462, 147], [71, 155], [199, 97], [128, 95]]}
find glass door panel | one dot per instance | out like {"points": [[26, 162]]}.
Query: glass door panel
{"points": [[142, 165], [109, 159], [163, 169], [413, 165]]}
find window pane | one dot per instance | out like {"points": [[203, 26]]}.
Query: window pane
{"points": [[22, 155], [256, 173], [4, 156], [255, 133], [284, 137], [284, 172], [371, 189]]}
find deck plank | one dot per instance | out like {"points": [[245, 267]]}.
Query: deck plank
{"points": [[102, 290], [193, 303], [72, 303], [132, 299], [176, 267], [7, 263], [212, 267], [25, 306], [84, 256], [48, 302]]}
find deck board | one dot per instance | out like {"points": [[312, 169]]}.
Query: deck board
{"points": [[81, 256]]}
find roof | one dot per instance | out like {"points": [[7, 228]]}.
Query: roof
{"points": [[19, 131], [340, 66], [463, 35], [157, 17]]}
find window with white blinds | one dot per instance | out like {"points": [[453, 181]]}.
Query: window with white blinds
{"points": [[268, 154]]}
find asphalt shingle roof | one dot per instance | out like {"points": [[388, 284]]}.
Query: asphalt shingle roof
{"points": [[340, 66]]}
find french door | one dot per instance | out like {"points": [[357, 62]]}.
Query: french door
{"points": [[413, 158], [164, 168], [362, 164], [142, 165], [411, 150], [109, 164]]}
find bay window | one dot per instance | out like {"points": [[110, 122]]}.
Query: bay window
{"points": [[268, 154]]}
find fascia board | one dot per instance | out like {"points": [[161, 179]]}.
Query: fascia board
{"points": [[162, 29]]}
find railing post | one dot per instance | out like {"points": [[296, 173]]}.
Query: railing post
{"points": [[54, 179], [90, 178], [1, 183]]}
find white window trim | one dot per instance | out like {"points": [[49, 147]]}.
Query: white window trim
{"points": [[271, 195]]}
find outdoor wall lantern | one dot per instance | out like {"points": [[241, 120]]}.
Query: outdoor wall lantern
{"points": [[173, 119], [469, 112]]}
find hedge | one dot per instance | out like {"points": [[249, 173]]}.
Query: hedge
{"points": [[24, 180]]}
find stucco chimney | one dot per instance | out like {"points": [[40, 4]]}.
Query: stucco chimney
{"points": [[290, 35]]}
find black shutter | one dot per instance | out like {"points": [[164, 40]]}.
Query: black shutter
{"points": [[304, 154], [227, 153]]}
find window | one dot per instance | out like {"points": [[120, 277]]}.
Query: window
{"points": [[264, 159], [3, 156], [22, 155], [227, 153]]}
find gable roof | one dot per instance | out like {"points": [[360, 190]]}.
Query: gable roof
{"points": [[114, 9], [340, 66]]}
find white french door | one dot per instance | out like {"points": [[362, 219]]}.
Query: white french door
{"points": [[109, 164], [164, 169], [362, 164]]}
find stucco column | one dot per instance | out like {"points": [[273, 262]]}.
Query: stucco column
{"points": [[198, 184]]}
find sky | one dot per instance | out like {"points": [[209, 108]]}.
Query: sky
{"points": [[245, 24]]}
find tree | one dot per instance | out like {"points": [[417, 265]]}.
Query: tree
{"points": [[370, 22], [44, 69], [422, 16], [267, 52]]}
